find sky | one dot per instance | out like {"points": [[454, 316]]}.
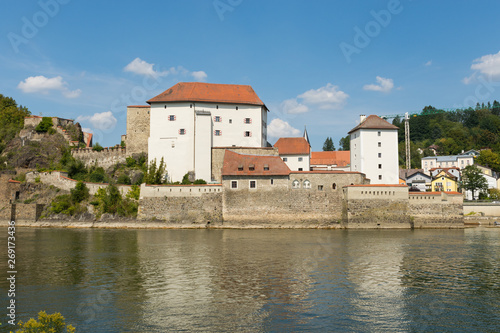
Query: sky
{"points": [[319, 64]]}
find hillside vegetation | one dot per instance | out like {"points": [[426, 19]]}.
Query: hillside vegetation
{"points": [[451, 131]]}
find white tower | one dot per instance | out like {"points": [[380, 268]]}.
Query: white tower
{"points": [[374, 150]]}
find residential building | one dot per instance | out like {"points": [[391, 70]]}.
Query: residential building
{"points": [[416, 179], [295, 152], [374, 150], [444, 182], [190, 118], [331, 160], [453, 170], [458, 161]]}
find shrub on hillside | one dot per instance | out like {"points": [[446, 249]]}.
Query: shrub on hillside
{"points": [[44, 125], [97, 147]]}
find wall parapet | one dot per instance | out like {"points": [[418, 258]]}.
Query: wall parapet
{"points": [[157, 191], [104, 158]]}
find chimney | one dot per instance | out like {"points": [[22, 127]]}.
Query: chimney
{"points": [[362, 118]]}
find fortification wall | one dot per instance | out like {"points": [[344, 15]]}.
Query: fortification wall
{"points": [[21, 212], [218, 157], [315, 202], [205, 208], [376, 207], [33, 121], [138, 123], [160, 191], [482, 208], [105, 158], [436, 210], [60, 180]]}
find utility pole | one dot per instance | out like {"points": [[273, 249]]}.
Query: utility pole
{"points": [[407, 140]]}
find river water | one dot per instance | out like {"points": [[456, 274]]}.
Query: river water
{"points": [[259, 280]]}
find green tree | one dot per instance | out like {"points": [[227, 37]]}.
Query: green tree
{"points": [[489, 159], [328, 145], [473, 180], [54, 323], [80, 192], [345, 143], [97, 147], [44, 125], [185, 180]]}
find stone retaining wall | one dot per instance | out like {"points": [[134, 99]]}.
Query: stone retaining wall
{"points": [[436, 210], [105, 158]]}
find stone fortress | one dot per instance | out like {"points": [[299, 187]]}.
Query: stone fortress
{"points": [[218, 132]]}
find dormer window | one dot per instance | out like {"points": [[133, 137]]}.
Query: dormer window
{"points": [[251, 167], [240, 167], [266, 167]]}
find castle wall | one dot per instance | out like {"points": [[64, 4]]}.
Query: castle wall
{"points": [[190, 204], [373, 206], [104, 158], [60, 180], [436, 210], [319, 203], [218, 157], [138, 123]]}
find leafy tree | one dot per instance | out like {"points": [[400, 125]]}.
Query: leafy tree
{"points": [[154, 174], [199, 181], [328, 145], [97, 147], [473, 180], [54, 323], [345, 143], [11, 119], [44, 125], [123, 179], [134, 192], [185, 179], [489, 159], [80, 192]]}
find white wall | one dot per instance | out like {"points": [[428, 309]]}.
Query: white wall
{"points": [[203, 147], [292, 161], [178, 150], [365, 155]]}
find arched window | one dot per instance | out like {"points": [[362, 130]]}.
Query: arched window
{"points": [[334, 186], [295, 184], [307, 183]]}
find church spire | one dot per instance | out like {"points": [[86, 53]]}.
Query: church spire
{"points": [[306, 136]]}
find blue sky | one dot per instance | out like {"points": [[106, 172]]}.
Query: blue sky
{"points": [[314, 63]]}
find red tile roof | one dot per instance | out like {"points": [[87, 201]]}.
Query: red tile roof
{"points": [[339, 158], [239, 165], [293, 146], [374, 122], [377, 185], [209, 92]]}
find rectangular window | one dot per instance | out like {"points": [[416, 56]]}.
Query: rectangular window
{"points": [[272, 181], [285, 159], [379, 133], [247, 120], [217, 119], [182, 131], [266, 167], [300, 159], [379, 155], [300, 169], [217, 132], [379, 177], [248, 134], [234, 184], [380, 166], [253, 184], [230, 121], [251, 167], [320, 187], [171, 118], [380, 144]]}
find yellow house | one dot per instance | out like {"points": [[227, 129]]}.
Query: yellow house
{"points": [[444, 182]]}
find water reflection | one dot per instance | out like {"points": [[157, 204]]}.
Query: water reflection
{"points": [[261, 280]]}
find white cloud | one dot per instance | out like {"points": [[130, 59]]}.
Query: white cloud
{"points": [[43, 85], [291, 106], [141, 67], [383, 85], [138, 66], [278, 128], [102, 121], [199, 76], [469, 79], [428, 63], [327, 97], [87, 130], [488, 65]]}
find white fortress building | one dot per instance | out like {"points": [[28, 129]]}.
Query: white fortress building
{"points": [[374, 150], [190, 118]]}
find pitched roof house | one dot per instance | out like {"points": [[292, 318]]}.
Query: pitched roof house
{"points": [[295, 152], [330, 160]]}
